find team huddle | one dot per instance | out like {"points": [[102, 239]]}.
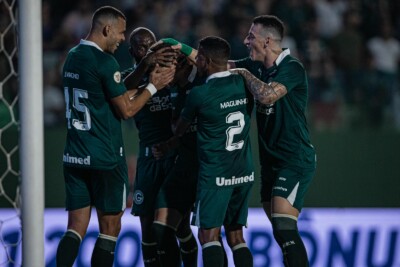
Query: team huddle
{"points": [[192, 108]]}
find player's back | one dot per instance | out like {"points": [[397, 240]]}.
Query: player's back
{"points": [[223, 107]]}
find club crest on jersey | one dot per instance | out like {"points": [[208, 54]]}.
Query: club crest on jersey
{"points": [[138, 197], [117, 77]]}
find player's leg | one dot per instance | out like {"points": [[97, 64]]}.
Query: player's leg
{"points": [[210, 212], [223, 251], [213, 255], [287, 199], [150, 175], [149, 243], [175, 199], [235, 219], [165, 225], [109, 189], [78, 205], [104, 248], [187, 242], [68, 248], [241, 253], [286, 233]]}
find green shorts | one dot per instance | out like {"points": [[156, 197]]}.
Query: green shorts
{"points": [[104, 189], [217, 207], [178, 191], [150, 175], [287, 183]]}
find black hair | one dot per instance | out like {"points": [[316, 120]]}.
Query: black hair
{"points": [[107, 12], [271, 24], [216, 48]]}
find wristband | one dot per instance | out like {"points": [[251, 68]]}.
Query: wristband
{"points": [[151, 88], [185, 49], [170, 41]]}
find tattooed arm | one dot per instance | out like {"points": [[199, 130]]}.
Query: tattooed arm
{"points": [[265, 93]]}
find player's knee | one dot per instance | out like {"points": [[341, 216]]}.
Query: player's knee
{"points": [[110, 227], [234, 236], [208, 235], [184, 229]]}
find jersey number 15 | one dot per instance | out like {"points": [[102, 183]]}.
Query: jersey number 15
{"points": [[77, 94]]}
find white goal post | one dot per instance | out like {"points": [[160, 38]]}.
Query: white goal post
{"points": [[31, 138]]}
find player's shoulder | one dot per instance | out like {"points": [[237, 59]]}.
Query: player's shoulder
{"points": [[292, 62], [292, 65]]}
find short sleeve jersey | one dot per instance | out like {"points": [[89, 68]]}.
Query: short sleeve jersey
{"points": [[223, 108], [91, 78], [282, 127], [153, 121]]}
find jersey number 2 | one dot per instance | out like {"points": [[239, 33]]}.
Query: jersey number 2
{"points": [[77, 94], [232, 130]]}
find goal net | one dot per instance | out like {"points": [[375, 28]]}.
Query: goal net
{"points": [[9, 127]]}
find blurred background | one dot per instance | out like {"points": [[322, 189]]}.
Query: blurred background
{"points": [[350, 49]]}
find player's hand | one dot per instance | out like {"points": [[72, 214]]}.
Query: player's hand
{"points": [[162, 76], [165, 56], [159, 150], [184, 48]]}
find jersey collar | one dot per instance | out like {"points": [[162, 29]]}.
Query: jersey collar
{"points": [[86, 42], [192, 74], [282, 55], [218, 75]]}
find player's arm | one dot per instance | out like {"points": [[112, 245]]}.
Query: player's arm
{"points": [[265, 93], [164, 57], [188, 51], [159, 150], [129, 103]]}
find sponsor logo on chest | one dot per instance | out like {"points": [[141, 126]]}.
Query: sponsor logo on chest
{"points": [[159, 103]]}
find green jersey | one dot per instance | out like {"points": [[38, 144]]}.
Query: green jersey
{"points": [[187, 150], [91, 78], [223, 108], [153, 121], [282, 127]]}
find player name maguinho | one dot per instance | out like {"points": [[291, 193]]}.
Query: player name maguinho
{"points": [[222, 181], [76, 160], [233, 103]]}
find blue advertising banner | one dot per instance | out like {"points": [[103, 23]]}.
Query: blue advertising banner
{"points": [[333, 237]]}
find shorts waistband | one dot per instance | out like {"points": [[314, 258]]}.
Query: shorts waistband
{"points": [[145, 151]]}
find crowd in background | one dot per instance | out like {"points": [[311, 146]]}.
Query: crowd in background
{"points": [[350, 48]]}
